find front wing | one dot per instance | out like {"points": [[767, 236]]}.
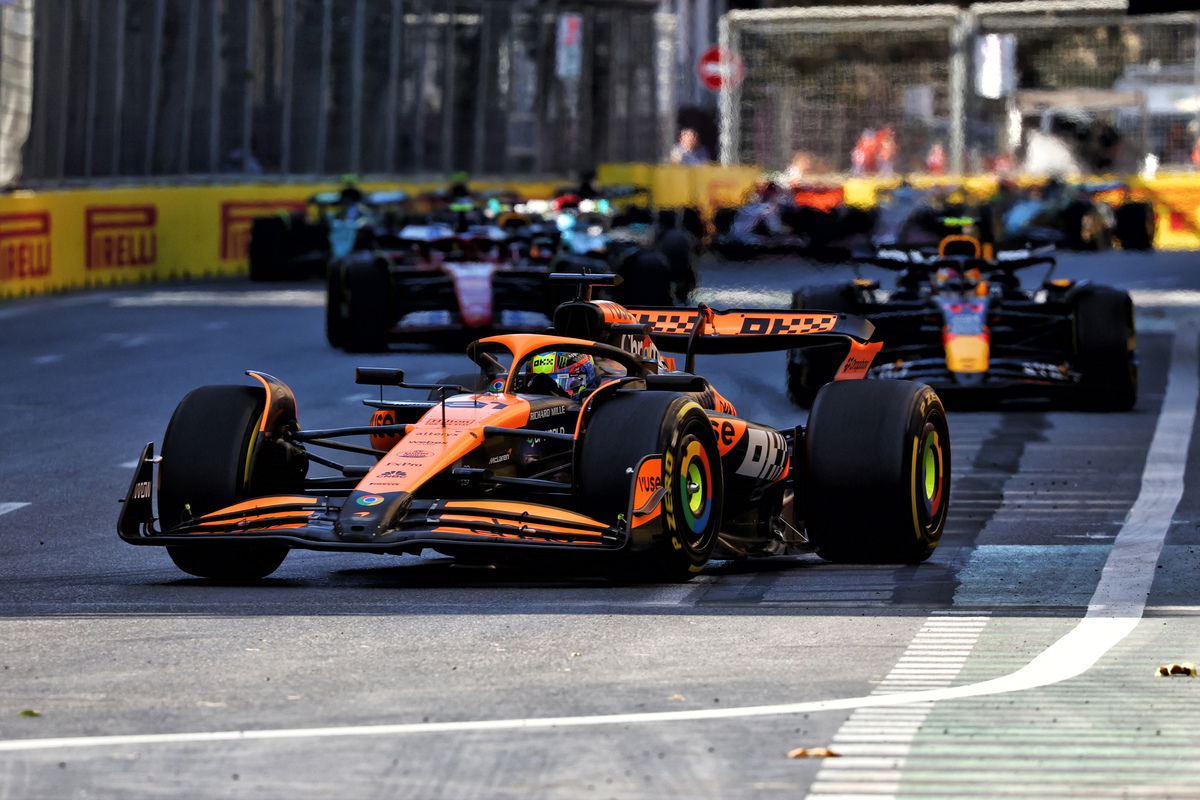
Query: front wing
{"points": [[319, 522]]}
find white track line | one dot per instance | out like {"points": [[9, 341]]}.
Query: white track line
{"points": [[7, 507], [1114, 611]]}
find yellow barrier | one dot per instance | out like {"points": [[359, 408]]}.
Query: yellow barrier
{"points": [[51, 241]]}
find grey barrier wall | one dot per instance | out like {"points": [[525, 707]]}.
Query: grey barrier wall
{"points": [[135, 88], [993, 85]]}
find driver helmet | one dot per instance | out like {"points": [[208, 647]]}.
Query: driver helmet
{"points": [[948, 277], [573, 372]]}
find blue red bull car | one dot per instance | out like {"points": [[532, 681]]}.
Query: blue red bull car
{"points": [[960, 320]]}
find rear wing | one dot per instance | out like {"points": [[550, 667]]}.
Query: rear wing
{"points": [[901, 259], [706, 331]]}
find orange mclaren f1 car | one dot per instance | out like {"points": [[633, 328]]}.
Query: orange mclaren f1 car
{"points": [[584, 446]]}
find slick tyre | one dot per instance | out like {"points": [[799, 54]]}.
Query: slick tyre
{"points": [[268, 237], [205, 456], [1105, 337], [622, 431], [368, 305], [810, 368], [678, 247], [878, 482], [1135, 226], [645, 280], [336, 313]]}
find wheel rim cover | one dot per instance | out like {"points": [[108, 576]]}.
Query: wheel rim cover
{"points": [[932, 477], [697, 473]]}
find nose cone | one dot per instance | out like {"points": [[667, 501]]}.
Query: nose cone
{"points": [[364, 515], [967, 354]]}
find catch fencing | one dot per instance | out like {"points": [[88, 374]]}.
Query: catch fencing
{"points": [[210, 88], [1046, 86]]}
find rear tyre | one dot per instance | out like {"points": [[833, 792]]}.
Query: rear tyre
{"points": [[878, 483], [1135, 226], [268, 236], [620, 433], [645, 280], [1105, 337], [368, 306], [677, 247], [810, 368], [208, 446], [335, 308]]}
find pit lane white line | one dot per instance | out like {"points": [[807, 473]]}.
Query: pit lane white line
{"points": [[7, 507], [1115, 609]]}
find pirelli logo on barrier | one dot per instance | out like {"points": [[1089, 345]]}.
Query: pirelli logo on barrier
{"points": [[237, 216], [24, 245], [120, 237]]}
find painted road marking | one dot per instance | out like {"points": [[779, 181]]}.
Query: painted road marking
{"points": [[50, 358], [7, 507], [874, 743], [303, 298], [1113, 613]]}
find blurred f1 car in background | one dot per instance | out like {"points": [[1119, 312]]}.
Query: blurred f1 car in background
{"points": [[584, 448], [808, 220], [1086, 216], [438, 282], [614, 229], [301, 244], [959, 320]]}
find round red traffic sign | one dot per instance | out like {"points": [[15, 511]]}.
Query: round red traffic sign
{"points": [[719, 68]]}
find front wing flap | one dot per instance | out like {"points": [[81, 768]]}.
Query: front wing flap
{"points": [[314, 522]]}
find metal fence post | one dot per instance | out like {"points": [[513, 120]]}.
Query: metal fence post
{"points": [[189, 87], [89, 125], [960, 36], [150, 148], [357, 20], [418, 135], [449, 95], [322, 139], [214, 90], [64, 73], [248, 86], [482, 93], [118, 94], [287, 67], [391, 110], [728, 100]]}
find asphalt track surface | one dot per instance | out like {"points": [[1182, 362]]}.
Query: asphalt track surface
{"points": [[1019, 662]]}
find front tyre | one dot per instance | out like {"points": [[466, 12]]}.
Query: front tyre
{"points": [[621, 432], [207, 455], [878, 483]]}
